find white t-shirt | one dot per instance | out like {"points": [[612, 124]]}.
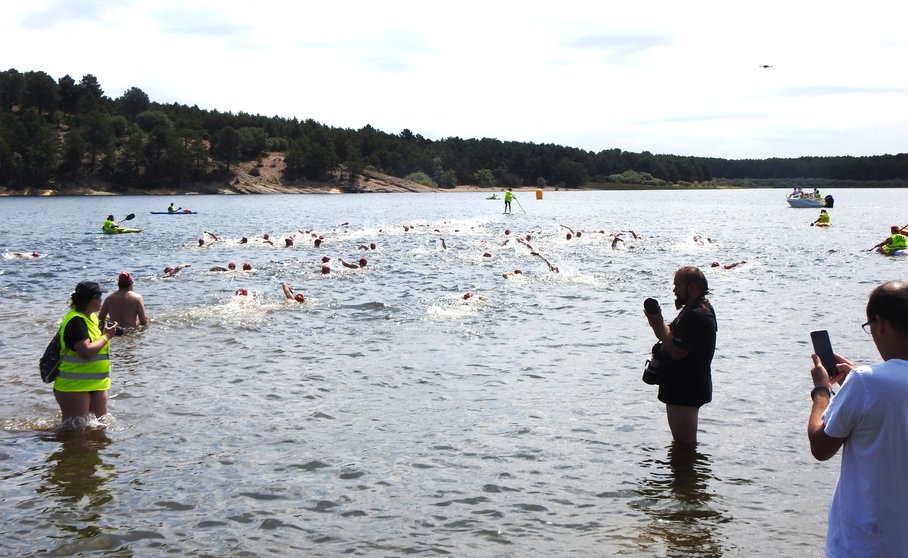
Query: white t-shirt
{"points": [[868, 516]]}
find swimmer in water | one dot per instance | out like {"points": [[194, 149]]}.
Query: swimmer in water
{"points": [[291, 296], [24, 255], [728, 265], [170, 271]]}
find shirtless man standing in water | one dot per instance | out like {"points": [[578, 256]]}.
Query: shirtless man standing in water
{"points": [[124, 306]]}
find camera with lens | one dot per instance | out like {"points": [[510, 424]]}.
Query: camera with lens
{"points": [[653, 367], [120, 330]]}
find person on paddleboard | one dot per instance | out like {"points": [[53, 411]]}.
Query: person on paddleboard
{"points": [[508, 196]]}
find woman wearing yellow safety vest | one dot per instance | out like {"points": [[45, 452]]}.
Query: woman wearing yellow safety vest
{"points": [[84, 371]]}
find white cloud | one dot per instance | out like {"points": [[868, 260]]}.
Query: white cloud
{"points": [[666, 77]]}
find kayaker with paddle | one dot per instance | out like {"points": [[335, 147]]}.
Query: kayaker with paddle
{"points": [[110, 226], [822, 220], [896, 241], [171, 208]]}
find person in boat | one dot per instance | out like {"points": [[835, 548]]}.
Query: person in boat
{"points": [[816, 194], [896, 241], [124, 306], [110, 226], [171, 208], [508, 196], [823, 220]]}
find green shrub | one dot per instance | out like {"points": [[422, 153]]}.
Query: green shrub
{"points": [[420, 178]]}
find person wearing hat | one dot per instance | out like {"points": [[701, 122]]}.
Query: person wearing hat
{"points": [[290, 295], [84, 372], [124, 306], [896, 241]]}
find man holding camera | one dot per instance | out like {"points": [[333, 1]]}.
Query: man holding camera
{"points": [[124, 306], [869, 417], [688, 345]]}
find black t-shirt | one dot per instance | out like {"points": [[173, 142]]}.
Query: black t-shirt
{"points": [[76, 330], [689, 381]]}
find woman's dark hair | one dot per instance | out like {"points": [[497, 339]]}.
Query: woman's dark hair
{"points": [[84, 293], [890, 301], [693, 276]]}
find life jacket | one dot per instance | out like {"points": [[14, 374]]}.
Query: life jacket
{"points": [[896, 242], [108, 226], [508, 196], [824, 218], [83, 375], [171, 208]]}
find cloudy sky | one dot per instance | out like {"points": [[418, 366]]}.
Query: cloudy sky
{"points": [[662, 76]]}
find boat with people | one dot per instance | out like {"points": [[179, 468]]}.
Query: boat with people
{"points": [[809, 200], [492, 197]]}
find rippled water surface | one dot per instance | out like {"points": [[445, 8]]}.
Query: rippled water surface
{"points": [[388, 416]]}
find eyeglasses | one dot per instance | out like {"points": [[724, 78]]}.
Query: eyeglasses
{"points": [[866, 325]]}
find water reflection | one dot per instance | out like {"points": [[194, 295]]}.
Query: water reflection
{"points": [[75, 481], [677, 496]]}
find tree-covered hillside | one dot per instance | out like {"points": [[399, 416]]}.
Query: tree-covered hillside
{"points": [[63, 132]]}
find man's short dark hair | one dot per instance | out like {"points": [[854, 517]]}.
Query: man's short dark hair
{"points": [[890, 301], [693, 276]]}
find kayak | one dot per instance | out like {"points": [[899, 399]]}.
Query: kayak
{"points": [[122, 231], [184, 212]]}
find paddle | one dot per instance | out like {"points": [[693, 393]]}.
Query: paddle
{"points": [[521, 207]]}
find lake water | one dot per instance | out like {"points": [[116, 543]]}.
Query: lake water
{"points": [[388, 416]]}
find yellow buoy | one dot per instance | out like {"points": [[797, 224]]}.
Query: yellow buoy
{"points": [[538, 193]]}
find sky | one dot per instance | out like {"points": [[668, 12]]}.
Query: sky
{"points": [[684, 78]]}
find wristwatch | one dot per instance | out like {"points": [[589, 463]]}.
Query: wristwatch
{"points": [[821, 389]]}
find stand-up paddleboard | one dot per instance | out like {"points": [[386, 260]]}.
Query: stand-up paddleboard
{"points": [[184, 212]]}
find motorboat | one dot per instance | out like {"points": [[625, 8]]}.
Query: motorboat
{"points": [[809, 201]]}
